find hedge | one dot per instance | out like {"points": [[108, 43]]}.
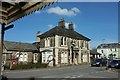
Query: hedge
{"points": [[28, 66]]}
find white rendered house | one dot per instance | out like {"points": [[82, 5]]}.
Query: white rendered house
{"points": [[107, 49]]}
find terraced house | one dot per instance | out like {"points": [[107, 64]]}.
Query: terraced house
{"points": [[19, 52], [109, 49], [62, 46]]}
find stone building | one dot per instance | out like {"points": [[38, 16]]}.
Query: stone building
{"points": [[19, 52], [62, 46]]}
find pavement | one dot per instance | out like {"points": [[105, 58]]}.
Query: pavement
{"points": [[77, 71]]}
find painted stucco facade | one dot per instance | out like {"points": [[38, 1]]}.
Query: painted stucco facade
{"points": [[107, 49]]}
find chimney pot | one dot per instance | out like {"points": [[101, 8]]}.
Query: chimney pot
{"points": [[61, 23], [71, 26], [37, 36]]}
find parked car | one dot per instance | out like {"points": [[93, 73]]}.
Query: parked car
{"points": [[99, 62], [114, 64]]}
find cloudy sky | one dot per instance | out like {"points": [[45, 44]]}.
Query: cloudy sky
{"points": [[95, 20]]}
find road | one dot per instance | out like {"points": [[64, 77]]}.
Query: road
{"points": [[79, 71]]}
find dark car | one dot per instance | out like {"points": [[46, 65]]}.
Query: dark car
{"points": [[114, 64], [99, 62]]}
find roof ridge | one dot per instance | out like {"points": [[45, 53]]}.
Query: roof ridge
{"points": [[63, 32], [9, 45], [18, 42]]}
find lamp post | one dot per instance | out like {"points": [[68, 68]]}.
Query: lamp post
{"points": [[3, 29]]}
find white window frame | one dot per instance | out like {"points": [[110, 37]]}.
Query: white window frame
{"points": [[64, 41], [35, 57], [47, 42], [22, 57], [25, 57], [43, 57]]}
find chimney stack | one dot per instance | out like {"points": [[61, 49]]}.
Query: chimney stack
{"points": [[61, 23], [38, 36], [71, 26]]}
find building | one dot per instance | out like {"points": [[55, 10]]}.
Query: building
{"points": [[94, 54], [62, 46], [19, 52], [109, 49]]}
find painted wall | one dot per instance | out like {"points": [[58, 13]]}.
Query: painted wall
{"points": [[107, 51]]}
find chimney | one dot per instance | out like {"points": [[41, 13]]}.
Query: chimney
{"points": [[71, 26], [38, 36], [61, 23]]}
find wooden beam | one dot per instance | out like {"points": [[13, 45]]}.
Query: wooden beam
{"points": [[20, 10], [26, 12]]}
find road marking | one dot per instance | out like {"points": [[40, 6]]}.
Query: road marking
{"points": [[21, 71], [67, 77], [79, 76], [73, 77]]}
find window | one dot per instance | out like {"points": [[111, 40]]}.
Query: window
{"points": [[17, 55], [51, 42], [35, 57], [47, 56], [86, 44], [82, 44], [22, 56], [63, 41], [115, 49], [102, 51], [110, 49], [25, 57], [73, 42], [47, 42], [43, 57]]}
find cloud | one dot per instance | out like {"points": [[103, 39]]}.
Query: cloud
{"points": [[50, 26], [59, 11], [66, 25]]}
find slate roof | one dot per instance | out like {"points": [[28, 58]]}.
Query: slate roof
{"points": [[111, 45], [19, 46], [37, 44], [94, 52], [63, 32]]}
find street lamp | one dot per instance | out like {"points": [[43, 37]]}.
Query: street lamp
{"points": [[3, 29]]}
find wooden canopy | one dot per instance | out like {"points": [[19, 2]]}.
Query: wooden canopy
{"points": [[11, 11]]}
